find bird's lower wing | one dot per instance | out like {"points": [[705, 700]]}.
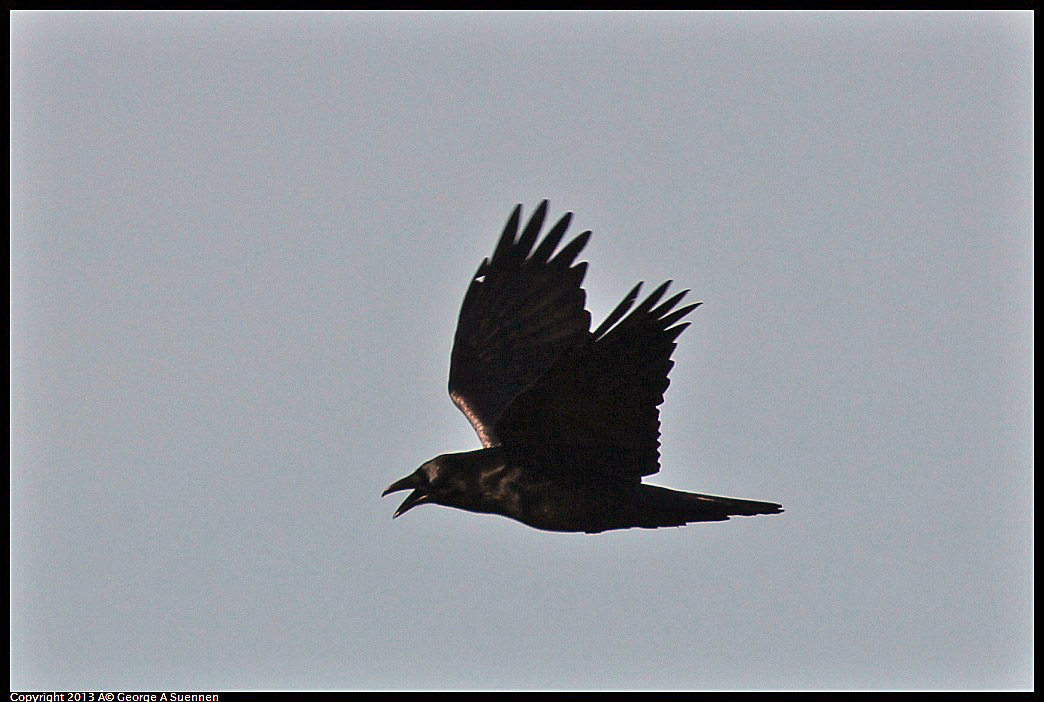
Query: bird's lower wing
{"points": [[595, 413]]}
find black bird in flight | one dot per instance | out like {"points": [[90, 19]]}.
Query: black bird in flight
{"points": [[568, 417]]}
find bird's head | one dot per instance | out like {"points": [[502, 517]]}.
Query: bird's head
{"points": [[435, 481]]}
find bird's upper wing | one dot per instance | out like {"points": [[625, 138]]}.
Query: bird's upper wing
{"points": [[594, 414], [523, 310]]}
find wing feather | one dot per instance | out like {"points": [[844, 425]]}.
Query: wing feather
{"points": [[521, 313], [595, 414]]}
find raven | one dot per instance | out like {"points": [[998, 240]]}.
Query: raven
{"points": [[567, 417]]}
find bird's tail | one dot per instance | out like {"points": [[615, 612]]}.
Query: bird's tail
{"points": [[662, 507]]}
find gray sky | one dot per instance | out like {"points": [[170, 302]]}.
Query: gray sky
{"points": [[239, 245]]}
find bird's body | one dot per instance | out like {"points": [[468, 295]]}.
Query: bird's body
{"points": [[568, 417], [488, 481]]}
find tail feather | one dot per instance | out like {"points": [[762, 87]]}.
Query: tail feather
{"points": [[663, 507]]}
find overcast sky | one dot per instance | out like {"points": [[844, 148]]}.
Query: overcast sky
{"points": [[239, 243]]}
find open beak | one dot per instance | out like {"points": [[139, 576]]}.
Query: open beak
{"points": [[415, 482]]}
